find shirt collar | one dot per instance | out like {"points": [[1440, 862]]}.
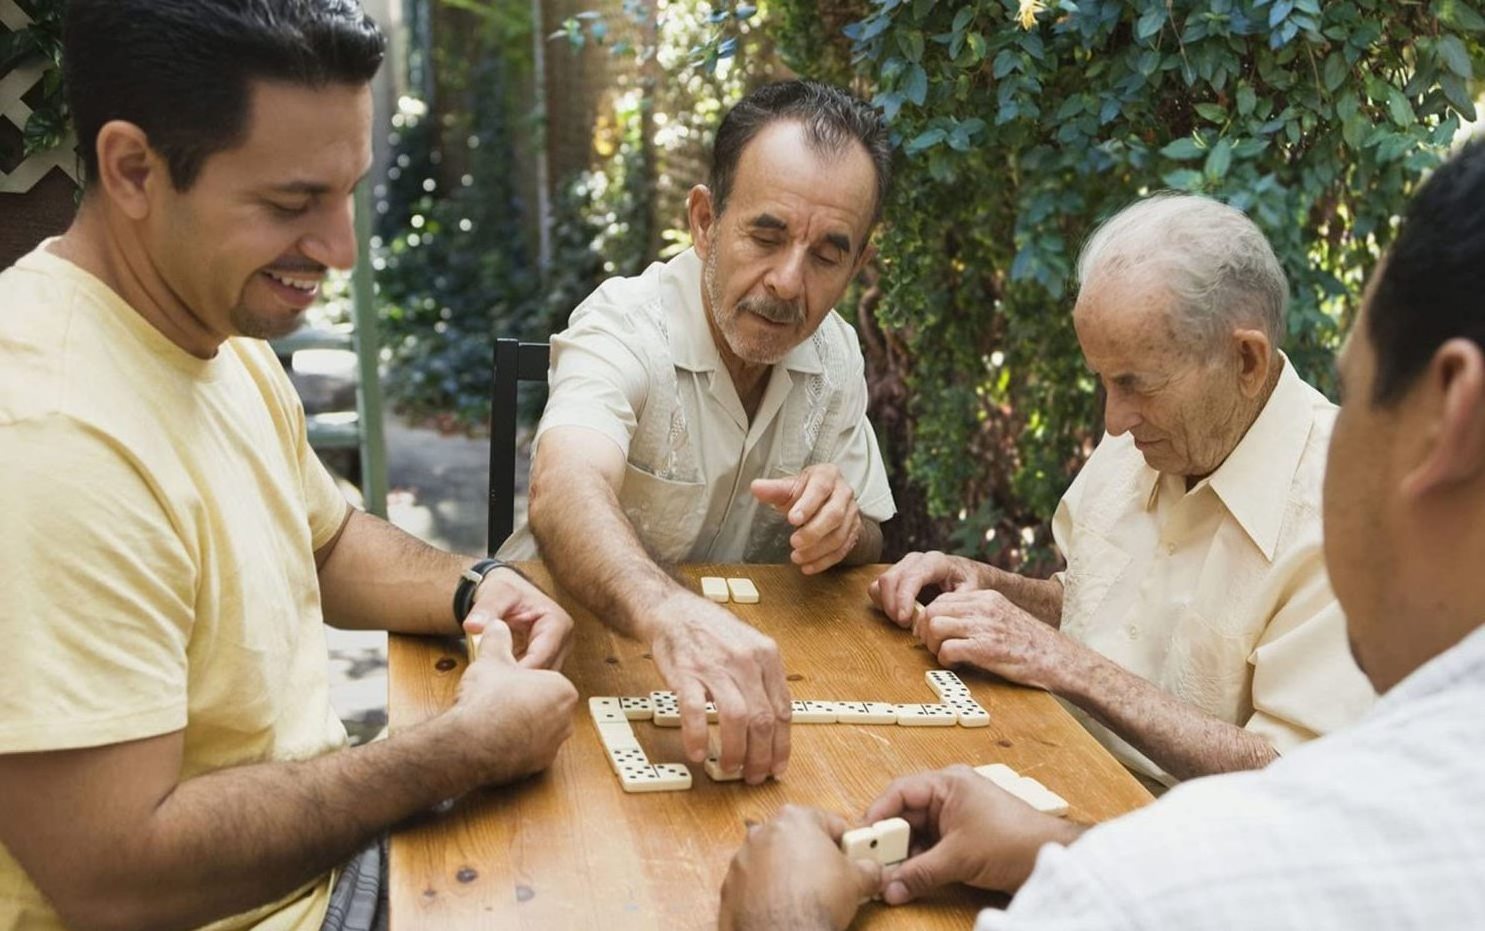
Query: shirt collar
{"points": [[1253, 479], [1263, 462], [691, 344]]}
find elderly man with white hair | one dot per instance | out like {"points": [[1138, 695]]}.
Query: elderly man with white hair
{"points": [[1194, 630]]}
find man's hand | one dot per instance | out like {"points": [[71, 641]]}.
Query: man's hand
{"points": [[703, 650], [515, 718], [541, 631], [985, 630], [790, 873], [896, 590], [966, 829], [822, 504]]}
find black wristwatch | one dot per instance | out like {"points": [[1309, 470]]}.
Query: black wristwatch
{"points": [[469, 584]]}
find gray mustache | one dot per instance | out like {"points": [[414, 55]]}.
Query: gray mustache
{"points": [[773, 311]]}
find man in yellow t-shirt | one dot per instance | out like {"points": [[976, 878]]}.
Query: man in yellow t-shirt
{"points": [[171, 548]]}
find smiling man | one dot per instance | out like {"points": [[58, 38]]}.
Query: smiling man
{"points": [[1194, 630], [713, 409], [172, 548]]}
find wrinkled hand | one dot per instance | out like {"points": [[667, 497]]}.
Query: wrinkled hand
{"points": [[541, 631], [790, 873], [896, 590], [515, 718], [822, 504], [965, 829], [984, 629], [703, 650]]}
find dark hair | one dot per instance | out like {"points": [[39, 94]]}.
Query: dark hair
{"points": [[1432, 287], [832, 118], [182, 70]]}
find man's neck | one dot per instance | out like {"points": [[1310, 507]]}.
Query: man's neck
{"points": [[122, 263]]}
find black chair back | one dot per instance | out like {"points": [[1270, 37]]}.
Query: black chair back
{"points": [[515, 362]]}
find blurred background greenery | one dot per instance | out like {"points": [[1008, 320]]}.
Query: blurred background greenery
{"points": [[540, 147]]}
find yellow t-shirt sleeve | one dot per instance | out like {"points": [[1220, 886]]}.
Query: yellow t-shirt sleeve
{"points": [[97, 594]]}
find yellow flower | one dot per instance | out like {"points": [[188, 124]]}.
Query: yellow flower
{"points": [[1029, 9]]}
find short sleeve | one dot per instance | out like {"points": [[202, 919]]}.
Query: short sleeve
{"points": [[97, 593], [856, 453], [1305, 681], [598, 378]]}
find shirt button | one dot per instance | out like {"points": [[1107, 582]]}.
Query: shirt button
{"points": [[1133, 632], [1170, 549]]}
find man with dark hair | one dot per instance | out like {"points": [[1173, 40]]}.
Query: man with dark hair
{"points": [[1379, 826], [171, 545], [713, 409]]}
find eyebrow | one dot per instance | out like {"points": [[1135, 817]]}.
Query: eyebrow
{"points": [[312, 188], [768, 221]]}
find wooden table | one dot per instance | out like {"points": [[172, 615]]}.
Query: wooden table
{"points": [[570, 849]]}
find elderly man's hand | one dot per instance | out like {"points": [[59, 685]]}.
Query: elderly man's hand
{"points": [[540, 629], [822, 504], [703, 650], [790, 873], [896, 590], [984, 629], [965, 830]]}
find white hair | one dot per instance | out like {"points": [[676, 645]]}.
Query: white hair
{"points": [[1213, 260]]}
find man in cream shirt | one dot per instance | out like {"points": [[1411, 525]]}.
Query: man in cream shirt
{"points": [[714, 409], [1194, 630]]}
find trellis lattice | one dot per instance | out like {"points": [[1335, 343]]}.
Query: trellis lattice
{"points": [[13, 87]]}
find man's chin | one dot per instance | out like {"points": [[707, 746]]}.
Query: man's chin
{"points": [[255, 325]]}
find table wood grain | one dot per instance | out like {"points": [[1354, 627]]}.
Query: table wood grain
{"points": [[570, 849]]}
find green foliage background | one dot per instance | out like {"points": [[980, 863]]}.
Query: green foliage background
{"points": [[1316, 119]]}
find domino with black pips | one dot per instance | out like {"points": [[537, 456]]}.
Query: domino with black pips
{"points": [[916, 715], [864, 712]]}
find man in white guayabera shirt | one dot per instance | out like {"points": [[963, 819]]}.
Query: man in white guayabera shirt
{"points": [[713, 409], [1379, 826], [1194, 631]]}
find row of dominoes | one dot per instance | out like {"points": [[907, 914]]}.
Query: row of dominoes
{"points": [[957, 707], [720, 590], [635, 771], [1025, 788]]}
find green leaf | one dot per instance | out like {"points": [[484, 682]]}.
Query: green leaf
{"points": [[1399, 108], [1458, 94], [1182, 149], [1459, 15], [915, 84], [1006, 62], [977, 45], [1219, 160], [1212, 112], [1183, 179], [1453, 52], [1246, 99], [926, 140], [1335, 71], [962, 18], [1150, 23], [911, 44]]}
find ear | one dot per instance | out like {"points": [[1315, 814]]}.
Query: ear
{"points": [[1255, 359], [128, 168], [700, 216], [1452, 394]]}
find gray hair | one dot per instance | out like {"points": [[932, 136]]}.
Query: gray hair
{"points": [[1215, 262]]}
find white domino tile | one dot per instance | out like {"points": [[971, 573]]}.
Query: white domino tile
{"points": [[637, 708], [885, 842], [607, 711], [1025, 788], [743, 591], [865, 712], [666, 709], [968, 712], [925, 715], [812, 712], [712, 714], [714, 588], [945, 683], [662, 777], [714, 769]]}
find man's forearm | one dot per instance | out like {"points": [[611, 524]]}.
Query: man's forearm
{"points": [[237, 838], [379, 577], [615, 579], [1177, 737], [1041, 598]]}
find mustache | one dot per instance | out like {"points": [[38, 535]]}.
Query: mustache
{"points": [[773, 310]]}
